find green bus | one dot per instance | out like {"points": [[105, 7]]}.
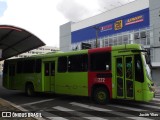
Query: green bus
{"points": [[117, 72]]}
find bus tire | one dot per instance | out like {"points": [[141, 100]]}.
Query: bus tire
{"points": [[101, 95], [29, 90]]}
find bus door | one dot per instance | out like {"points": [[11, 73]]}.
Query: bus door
{"points": [[11, 76], [125, 77], [49, 76]]}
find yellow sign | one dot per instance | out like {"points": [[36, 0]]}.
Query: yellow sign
{"points": [[118, 25], [135, 19]]}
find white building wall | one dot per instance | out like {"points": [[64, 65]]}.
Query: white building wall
{"points": [[65, 37], [154, 7], [111, 14]]}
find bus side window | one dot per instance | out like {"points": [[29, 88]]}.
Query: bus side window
{"points": [[11, 70], [38, 66], [78, 63], [62, 64], [29, 66], [100, 61], [20, 67], [138, 69], [5, 70]]}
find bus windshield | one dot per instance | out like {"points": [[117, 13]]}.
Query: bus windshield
{"points": [[147, 66]]}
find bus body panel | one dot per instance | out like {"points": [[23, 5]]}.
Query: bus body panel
{"points": [[82, 83], [99, 77], [141, 91], [72, 83]]}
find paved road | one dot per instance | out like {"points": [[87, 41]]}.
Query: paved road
{"points": [[58, 107]]}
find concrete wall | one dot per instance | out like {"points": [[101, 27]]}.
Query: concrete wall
{"points": [[155, 24], [65, 37], [154, 6]]}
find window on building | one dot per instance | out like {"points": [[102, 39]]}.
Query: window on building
{"points": [[143, 34], [62, 64], [136, 36], [110, 41], [106, 42], [115, 40], [78, 63], [125, 39], [100, 61], [120, 41]]}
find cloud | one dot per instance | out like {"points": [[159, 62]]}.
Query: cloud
{"points": [[72, 10], [3, 7], [110, 4], [76, 10]]}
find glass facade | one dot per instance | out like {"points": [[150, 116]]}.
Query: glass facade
{"points": [[140, 36]]}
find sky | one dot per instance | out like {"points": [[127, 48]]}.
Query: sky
{"points": [[44, 17]]}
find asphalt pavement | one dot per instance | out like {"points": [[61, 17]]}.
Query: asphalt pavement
{"points": [[7, 107]]}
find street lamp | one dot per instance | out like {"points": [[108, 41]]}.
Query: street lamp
{"points": [[97, 30]]}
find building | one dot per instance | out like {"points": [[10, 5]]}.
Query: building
{"points": [[135, 22], [40, 50]]}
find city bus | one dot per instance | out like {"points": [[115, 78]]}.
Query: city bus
{"points": [[116, 72]]}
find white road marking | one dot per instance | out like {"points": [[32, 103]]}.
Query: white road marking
{"points": [[63, 109], [41, 101], [149, 106], [94, 118], [90, 107], [128, 108], [109, 111], [77, 113], [156, 99], [139, 118], [57, 118]]}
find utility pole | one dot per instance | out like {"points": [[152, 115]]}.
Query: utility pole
{"points": [[97, 30]]}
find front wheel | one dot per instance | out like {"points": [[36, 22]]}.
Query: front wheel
{"points": [[101, 95], [29, 90]]}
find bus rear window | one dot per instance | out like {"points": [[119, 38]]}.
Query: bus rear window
{"points": [[100, 61]]}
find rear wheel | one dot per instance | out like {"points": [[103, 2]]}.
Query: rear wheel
{"points": [[29, 90], [101, 95]]}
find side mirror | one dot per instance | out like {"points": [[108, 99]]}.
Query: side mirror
{"points": [[148, 60]]}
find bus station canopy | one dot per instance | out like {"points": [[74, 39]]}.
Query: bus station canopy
{"points": [[14, 41]]}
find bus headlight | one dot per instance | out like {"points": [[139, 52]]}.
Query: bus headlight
{"points": [[151, 88]]}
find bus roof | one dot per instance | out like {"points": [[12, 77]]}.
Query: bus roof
{"points": [[59, 53]]}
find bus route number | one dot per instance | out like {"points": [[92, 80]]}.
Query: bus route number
{"points": [[101, 80]]}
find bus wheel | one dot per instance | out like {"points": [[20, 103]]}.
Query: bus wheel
{"points": [[101, 95], [29, 90]]}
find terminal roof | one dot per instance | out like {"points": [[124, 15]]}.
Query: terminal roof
{"points": [[14, 41]]}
